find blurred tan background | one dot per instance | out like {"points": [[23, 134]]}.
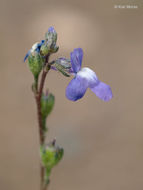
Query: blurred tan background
{"points": [[103, 142]]}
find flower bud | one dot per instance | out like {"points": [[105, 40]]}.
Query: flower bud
{"points": [[63, 65], [44, 50], [50, 156], [50, 42], [51, 35], [64, 62], [47, 104], [35, 62], [54, 49]]}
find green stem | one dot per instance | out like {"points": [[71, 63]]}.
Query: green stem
{"points": [[36, 83]]}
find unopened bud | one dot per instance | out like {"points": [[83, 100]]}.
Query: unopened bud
{"points": [[49, 45], [47, 104], [35, 62]]}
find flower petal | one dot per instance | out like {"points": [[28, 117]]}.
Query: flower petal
{"points": [[102, 91], [27, 55], [89, 75], [39, 45], [35, 47], [76, 59], [76, 88]]}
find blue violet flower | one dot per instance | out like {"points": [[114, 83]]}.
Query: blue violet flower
{"points": [[85, 78]]}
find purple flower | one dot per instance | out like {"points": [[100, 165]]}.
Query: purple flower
{"points": [[85, 78]]}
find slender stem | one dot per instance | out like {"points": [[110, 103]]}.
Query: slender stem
{"points": [[38, 101], [38, 95], [38, 98], [36, 83], [45, 187], [42, 177], [42, 83]]}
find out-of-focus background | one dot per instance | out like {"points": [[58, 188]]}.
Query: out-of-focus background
{"points": [[103, 142]]}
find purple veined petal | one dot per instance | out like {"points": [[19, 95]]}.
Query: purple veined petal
{"points": [[76, 59], [76, 88], [102, 91]]}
